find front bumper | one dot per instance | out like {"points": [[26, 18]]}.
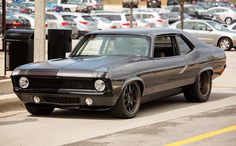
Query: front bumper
{"points": [[69, 99]]}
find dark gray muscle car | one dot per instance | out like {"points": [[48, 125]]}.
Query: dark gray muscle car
{"points": [[120, 69]]}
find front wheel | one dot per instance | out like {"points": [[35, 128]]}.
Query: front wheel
{"points": [[200, 90], [128, 104], [37, 109], [225, 44]]}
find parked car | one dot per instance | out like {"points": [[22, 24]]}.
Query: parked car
{"points": [[119, 70], [104, 23], [227, 14], [153, 3], [116, 17], [175, 16], [232, 27], [209, 31], [68, 5], [95, 4], [53, 7], [28, 5], [17, 8], [160, 19], [193, 12], [83, 8], [12, 22], [84, 22], [142, 23], [56, 21], [30, 18]]}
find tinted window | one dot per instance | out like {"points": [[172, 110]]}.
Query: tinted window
{"points": [[165, 46], [88, 18], [234, 28], [183, 46], [111, 17]]}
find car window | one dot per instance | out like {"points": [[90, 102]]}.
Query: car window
{"points": [[111, 17], [51, 17], [88, 18], [182, 45], [234, 28], [145, 16], [201, 26], [187, 25], [105, 45], [165, 46]]}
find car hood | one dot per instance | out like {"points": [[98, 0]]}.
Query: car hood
{"points": [[87, 66]]}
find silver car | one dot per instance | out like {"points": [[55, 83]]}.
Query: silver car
{"points": [[56, 21], [227, 14], [232, 27], [209, 31]]}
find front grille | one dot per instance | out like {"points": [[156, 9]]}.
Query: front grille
{"points": [[62, 100], [60, 83]]}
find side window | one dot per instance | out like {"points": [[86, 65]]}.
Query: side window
{"points": [[183, 46], [201, 26], [234, 28], [165, 46]]}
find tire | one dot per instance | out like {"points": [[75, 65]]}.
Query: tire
{"points": [[199, 91], [36, 109], [67, 10], [225, 43], [228, 20], [129, 102]]}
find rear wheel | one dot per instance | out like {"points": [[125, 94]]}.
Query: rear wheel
{"points": [[67, 10], [225, 43], [128, 104], [37, 109], [228, 20], [200, 90]]}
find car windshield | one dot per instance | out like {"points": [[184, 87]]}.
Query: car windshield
{"points": [[107, 45], [217, 26]]}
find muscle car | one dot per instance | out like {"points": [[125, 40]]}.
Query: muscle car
{"points": [[120, 69]]}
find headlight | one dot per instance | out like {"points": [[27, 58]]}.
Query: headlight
{"points": [[23, 82], [100, 85]]}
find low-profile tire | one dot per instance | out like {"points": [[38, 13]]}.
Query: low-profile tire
{"points": [[225, 43], [37, 109], [228, 20], [199, 91], [129, 102]]}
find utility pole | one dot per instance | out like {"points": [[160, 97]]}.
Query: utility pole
{"points": [[3, 34], [39, 31], [181, 10]]}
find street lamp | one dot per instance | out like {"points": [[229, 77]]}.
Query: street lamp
{"points": [[131, 4]]}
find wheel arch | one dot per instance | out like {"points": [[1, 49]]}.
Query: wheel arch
{"points": [[209, 69], [135, 79], [222, 38]]}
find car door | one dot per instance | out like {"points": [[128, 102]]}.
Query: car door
{"points": [[204, 32], [169, 64]]}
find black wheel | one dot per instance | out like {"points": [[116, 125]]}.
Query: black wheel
{"points": [[36, 109], [200, 90], [228, 20], [128, 104], [67, 10], [225, 43]]}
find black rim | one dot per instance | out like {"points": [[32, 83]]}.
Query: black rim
{"points": [[131, 97], [204, 84]]}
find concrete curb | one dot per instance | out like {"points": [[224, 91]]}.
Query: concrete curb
{"points": [[10, 103], [6, 86]]}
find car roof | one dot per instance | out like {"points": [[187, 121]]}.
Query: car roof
{"points": [[73, 13], [137, 31]]}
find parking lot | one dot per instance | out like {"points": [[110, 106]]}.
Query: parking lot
{"points": [[170, 121]]}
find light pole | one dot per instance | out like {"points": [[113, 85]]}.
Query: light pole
{"points": [[131, 4]]}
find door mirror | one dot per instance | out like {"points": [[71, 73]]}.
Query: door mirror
{"points": [[209, 29]]}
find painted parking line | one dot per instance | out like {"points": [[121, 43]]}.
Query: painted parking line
{"points": [[203, 136]]}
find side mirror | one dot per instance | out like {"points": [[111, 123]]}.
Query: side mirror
{"points": [[209, 29]]}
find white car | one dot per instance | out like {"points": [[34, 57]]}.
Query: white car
{"points": [[159, 18], [226, 14], [84, 22], [122, 18], [68, 5], [29, 5], [104, 23]]}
